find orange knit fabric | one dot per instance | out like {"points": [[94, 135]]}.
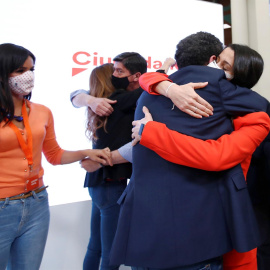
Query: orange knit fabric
{"points": [[14, 166]]}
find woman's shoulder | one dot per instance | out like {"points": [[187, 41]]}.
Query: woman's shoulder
{"points": [[38, 107]]}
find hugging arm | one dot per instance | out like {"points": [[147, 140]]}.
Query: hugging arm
{"points": [[211, 155], [100, 106], [183, 96]]}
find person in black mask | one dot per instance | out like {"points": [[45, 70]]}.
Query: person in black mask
{"points": [[119, 82], [128, 67]]}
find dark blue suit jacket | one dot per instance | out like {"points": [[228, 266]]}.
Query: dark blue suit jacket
{"points": [[174, 215], [258, 183]]}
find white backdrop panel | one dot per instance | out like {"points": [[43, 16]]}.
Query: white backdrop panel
{"points": [[56, 30]]}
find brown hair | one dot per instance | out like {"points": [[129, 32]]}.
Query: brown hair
{"points": [[101, 87]]}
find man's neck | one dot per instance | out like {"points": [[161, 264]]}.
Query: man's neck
{"points": [[133, 86]]}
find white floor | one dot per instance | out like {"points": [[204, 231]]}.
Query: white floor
{"points": [[68, 237]]}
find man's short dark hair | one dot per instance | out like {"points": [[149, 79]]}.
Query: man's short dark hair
{"points": [[196, 49], [132, 61]]}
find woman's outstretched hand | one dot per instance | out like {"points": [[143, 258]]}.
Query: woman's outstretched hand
{"points": [[102, 156]]}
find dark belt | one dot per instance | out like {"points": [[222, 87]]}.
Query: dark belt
{"points": [[25, 195]]}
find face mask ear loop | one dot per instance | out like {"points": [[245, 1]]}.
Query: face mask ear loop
{"points": [[228, 75]]}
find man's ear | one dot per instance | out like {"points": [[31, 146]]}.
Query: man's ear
{"points": [[137, 76], [212, 58]]}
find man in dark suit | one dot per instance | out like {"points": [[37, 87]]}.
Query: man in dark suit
{"points": [[182, 218], [258, 183]]}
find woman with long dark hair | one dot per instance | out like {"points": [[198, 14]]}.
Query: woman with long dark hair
{"points": [[26, 130]]}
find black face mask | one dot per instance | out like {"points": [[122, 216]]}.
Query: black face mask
{"points": [[120, 83]]}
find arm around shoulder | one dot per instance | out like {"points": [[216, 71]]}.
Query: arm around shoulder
{"points": [[80, 98], [149, 81], [210, 155], [100, 106]]}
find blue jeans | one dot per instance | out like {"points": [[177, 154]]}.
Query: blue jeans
{"points": [[213, 264], [104, 219], [24, 225]]}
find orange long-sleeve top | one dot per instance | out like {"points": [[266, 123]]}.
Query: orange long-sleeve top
{"points": [[148, 81], [210, 155], [14, 170]]}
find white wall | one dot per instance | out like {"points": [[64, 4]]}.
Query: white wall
{"points": [[251, 26], [56, 30]]}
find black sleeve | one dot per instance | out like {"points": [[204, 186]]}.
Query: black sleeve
{"points": [[126, 100], [161, 71]]}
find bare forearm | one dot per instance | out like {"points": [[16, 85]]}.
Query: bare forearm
{"points": [[184, 97], [162, 86], [169, 62], [72, 156], [98, 155]]}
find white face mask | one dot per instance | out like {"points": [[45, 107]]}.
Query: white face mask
{"points": [[22, 84], [215, 65]]}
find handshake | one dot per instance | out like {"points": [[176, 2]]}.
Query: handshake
{"points": [[97, 159]]}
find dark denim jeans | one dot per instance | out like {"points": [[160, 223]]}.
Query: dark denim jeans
{"points": [[104, 219], [213, 264], [24, 225]]}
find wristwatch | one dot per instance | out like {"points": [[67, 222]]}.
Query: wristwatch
{"points": [[141, 129]]}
